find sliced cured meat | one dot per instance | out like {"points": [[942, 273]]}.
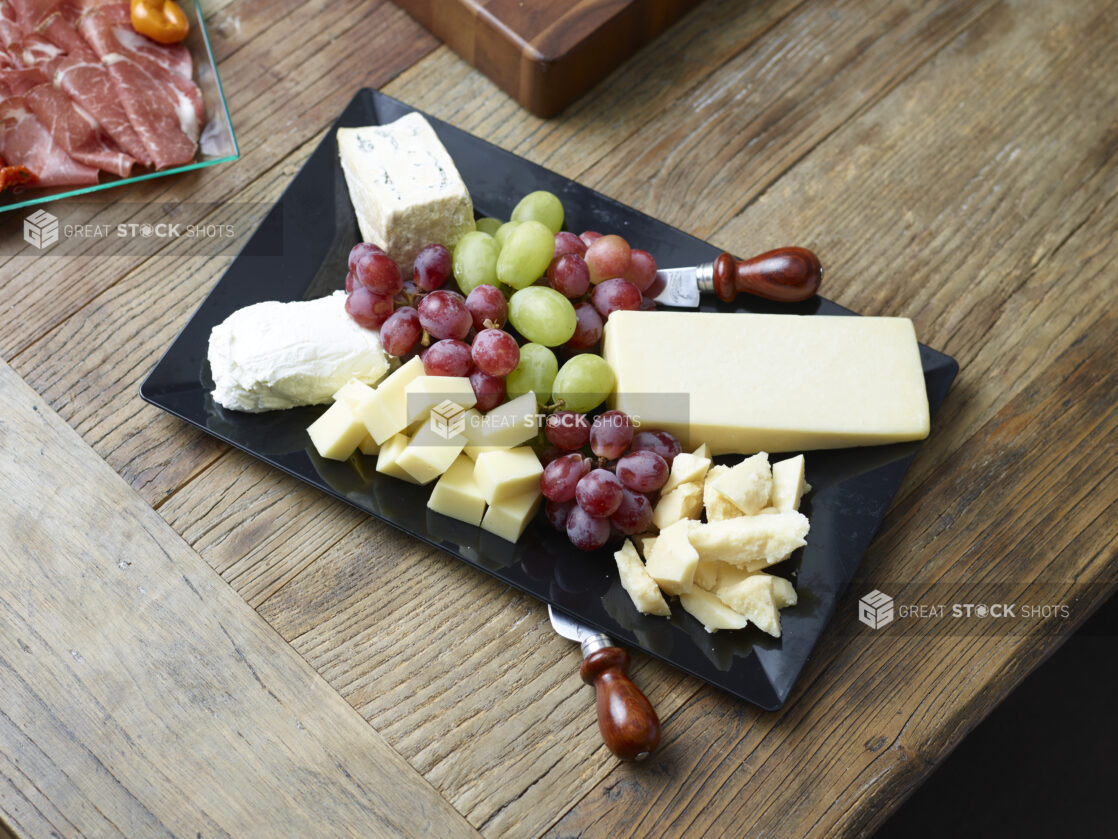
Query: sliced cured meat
{"points": [[112, 32], [10, 31], [25, 141], [18, 81], [35, 50]]}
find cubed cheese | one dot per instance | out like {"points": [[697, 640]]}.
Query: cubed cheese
{"points": [[448, 397], [748, 484], [718, 507], [672, 560], [430, 452], [368, 445], [354, 392], [683, 502], [507, 473], [509, 516], [457, 494], [711, 612], [507, 425], [337, 433], [389, 453], [385, 413], [789, 485], [840, 381], [750, 595], [636, 580], [686, 469], [404, 187], [750, 542]]}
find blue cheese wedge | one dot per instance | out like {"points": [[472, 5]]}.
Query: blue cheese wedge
{"points": [[271, 356], [404, 187]]}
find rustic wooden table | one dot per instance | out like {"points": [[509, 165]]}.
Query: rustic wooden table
{"points": [[195, 645]]}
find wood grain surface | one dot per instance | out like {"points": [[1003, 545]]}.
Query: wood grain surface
{"points": [[952, 162]]}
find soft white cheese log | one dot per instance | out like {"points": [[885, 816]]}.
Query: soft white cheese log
{"points": [[748, 383], [404, 187], [272, 356]]}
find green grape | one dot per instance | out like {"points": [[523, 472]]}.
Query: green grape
{"points": [[504, 231], [535, 372], [488, 225], [541, 206], [525, 254], [542, 315], [475, 261], [584, 383]]}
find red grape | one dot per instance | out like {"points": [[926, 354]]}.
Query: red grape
{"points": [[448, 357], [610, 434], [569, 275], [607, 257], [568, 430], [350, 282], [360, 250], [568, 243], [611, 295], [633, 515], [486, 303], [588, 327], [599, 492], [444, 315], [401, 332], [489, 390], [561, 476], [367, 308], [557, 512], [586, 532], [495, 352], [379, 273], [551, 453], [661, 442], [642, 471], [642, 269], [589, 237], [432, 267]]}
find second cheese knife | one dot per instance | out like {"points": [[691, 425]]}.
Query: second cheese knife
{"points": [[788, 275]]}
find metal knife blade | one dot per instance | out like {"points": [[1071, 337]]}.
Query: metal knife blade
{"points": [[682, 287], [572, 630]]}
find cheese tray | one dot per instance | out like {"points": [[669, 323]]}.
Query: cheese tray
{"points": [[300, 253]]}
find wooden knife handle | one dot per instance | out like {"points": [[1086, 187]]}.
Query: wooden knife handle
{"points": [[630, 727], [786, 274]]}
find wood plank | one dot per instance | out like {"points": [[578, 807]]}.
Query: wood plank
{"points": [[142, 696]]}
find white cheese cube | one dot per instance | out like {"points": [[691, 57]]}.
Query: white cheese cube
{"points": [[635, 579], [718, 506], [337, 433], [672, 560], [368, 445], [447, 396], [686, 469], [507, 473], [509, 517], [683, 502], [789, 485], [842, 381], [507, 425], [748, 484], [404, 187], [750, 595], [385, 413], [430, 452], [711, 612], [457, 494], [389, 453], [750, 542], [354, 392]]}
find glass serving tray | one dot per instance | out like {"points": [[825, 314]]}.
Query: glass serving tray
{"points": [[218, 143], [300, 252]]}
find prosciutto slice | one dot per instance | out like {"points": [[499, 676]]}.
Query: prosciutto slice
{"points": [[24, 140]]}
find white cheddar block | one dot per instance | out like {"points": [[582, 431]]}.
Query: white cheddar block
{"points": [[509, 517], [751, 595], [430, 453], [457, 494], [385, 412], [404, 187], [686, 469], [448, 397], [750, 542], [717, 506], [789, 485], [683, 502], [748, 484], [711, 612], [507, 473], [337, 433], [672, 560], [635, 579], [774, 383], [389, 453], [507, 425]]}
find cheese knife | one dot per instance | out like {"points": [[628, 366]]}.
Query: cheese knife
{"points": [[788, 275], [627, 720]]}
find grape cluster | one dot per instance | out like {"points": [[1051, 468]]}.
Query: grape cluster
{"points": [[610, 492]]}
